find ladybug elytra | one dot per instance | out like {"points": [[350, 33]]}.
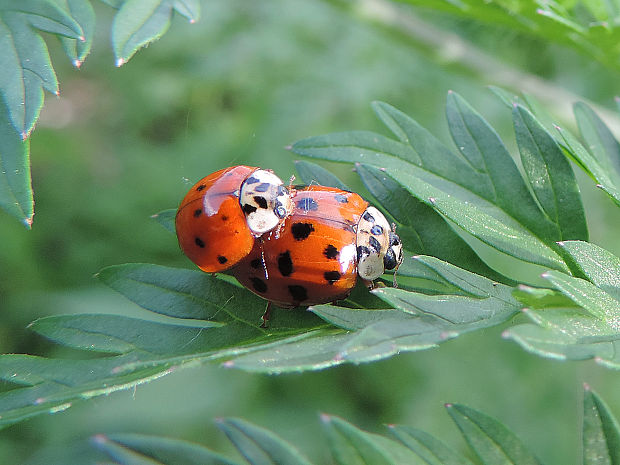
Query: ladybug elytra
{"points": [[222, 215], [293, 247]]}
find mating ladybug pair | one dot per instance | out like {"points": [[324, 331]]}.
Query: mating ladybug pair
{"points": [[297, 246]]}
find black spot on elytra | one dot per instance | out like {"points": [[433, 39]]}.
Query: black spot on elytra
{"points": [[201, 187], [247, 209], [262, 203], [376, 230], [197, 212], [224, 218], [331, 252], [255, 263], [222, 259], [362, 251], [307, 204], [285, 264], [299, 293], [374, 243], [259, 285], [341, 198], [252, 180], [262, 187], [368, 217], [301, 231], [331, 276], [199, 242]]}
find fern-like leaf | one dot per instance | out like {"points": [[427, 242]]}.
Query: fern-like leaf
{"points": [[491, 441]]}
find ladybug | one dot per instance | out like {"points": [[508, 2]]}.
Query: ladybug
{"points": [[330, 238], [221, 216]]}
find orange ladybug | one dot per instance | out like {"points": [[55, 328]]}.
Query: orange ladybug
{"points": [[330, 238], [221, 216]]}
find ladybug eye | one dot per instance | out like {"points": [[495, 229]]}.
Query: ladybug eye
{"points": [[280, 211], [395, 253], [389, 261]]}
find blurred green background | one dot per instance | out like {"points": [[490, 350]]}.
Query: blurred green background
{"points": [[237, 87]]}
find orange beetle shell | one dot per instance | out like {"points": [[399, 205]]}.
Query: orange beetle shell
{"points": [[312, 258], [210, 223]]}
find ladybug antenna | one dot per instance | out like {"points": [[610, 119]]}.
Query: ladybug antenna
{"points": [[291, 187]]}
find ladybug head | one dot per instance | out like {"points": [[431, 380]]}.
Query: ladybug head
{"points": [[265, 201]]}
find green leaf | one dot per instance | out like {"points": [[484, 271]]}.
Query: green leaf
{"points": [[598, 133], [114, 3], [352, 446], [567, 331], [573, 323], [430, 449], [479, 143], [166, 219], [586, 26], [580, 155], [600, 141], [258, 445], [602, 159], [588, 325], [541, 113], [601, 433], [478, 301], [598, 265], [25, 63], [422, 229], [320, 350], [78, 49], [311, 173], [448, 183], [419, 322], [585, 294], [550, 175], [146, 349], [541, 297], [119, 334], [492, 442], [562, 346], [134, 449], [182, 293], [506, 97], [52, 386], [177, 292], [15, 184], [140, 22]]}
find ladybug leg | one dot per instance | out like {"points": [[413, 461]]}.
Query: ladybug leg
{"points": [[262, 257], [369, 284], [266, 316]]}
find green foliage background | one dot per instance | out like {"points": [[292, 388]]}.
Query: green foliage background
{"points": [[238, 87]]}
